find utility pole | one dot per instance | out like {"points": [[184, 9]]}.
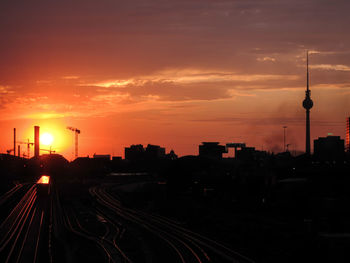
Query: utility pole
{"points": [[284, 138], [288, 144]]}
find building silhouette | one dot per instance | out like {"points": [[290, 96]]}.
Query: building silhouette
{"points": [[250, 154], [154, 152], [211, 150], [134, 152], [171, 155], [102, 156], [138, 152], [330, 148]]}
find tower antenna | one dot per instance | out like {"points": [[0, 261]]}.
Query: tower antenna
{"points": [[307, 70]]}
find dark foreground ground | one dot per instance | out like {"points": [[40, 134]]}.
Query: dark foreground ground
{"points": [[185, 210], [259, 233]]}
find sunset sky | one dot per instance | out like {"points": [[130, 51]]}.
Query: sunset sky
{"points": [[172, 73]]}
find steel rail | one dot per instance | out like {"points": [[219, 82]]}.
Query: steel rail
{"points": [[191, 236], [38, 239], [21, 217], [196, 237], [18, 234], [105, 240], [9, 193], [25, 236], [156, 228], [93, 238], [19, 206], [150, 228]]}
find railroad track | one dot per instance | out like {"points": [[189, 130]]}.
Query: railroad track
{"points": [[22, 231], [187, 245], [106, 242], [7, 196]]}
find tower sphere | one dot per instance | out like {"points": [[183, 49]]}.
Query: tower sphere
{"points": [[308, 103]]}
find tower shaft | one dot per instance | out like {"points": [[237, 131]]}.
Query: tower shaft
{"points": [[307, 143]]}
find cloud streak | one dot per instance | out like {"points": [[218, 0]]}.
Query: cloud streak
{"points": [[189, 76], [331, 67]]}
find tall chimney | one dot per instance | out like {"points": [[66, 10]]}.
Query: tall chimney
{"points": [[14, 141], [36, 141], [19, 151]]}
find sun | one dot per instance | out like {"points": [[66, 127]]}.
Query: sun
{"points": [[46, 138]]}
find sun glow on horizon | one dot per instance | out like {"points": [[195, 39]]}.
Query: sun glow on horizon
{"points": [[53, 136]]}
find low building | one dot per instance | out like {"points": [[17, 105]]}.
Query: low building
{"points": [[138, 152], [102, 156], [250, 154], [211, 150], [116, 158], [154, 152], [330, 148], [134, 152], [171, 155]]}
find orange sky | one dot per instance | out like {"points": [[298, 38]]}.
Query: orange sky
{"points": [[172, 74]]}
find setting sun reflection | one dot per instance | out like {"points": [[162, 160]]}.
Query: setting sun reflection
{"points": [[44, 179]]}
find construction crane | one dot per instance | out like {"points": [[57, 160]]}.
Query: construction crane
{"points": [[46, 150], [28, 146], [76, 132]]}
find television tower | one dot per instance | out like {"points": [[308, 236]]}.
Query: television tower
{"points": [[307, 104]]}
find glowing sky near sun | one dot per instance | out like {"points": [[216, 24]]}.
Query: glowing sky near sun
{"points": [[172, 73], [46, 139]]}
